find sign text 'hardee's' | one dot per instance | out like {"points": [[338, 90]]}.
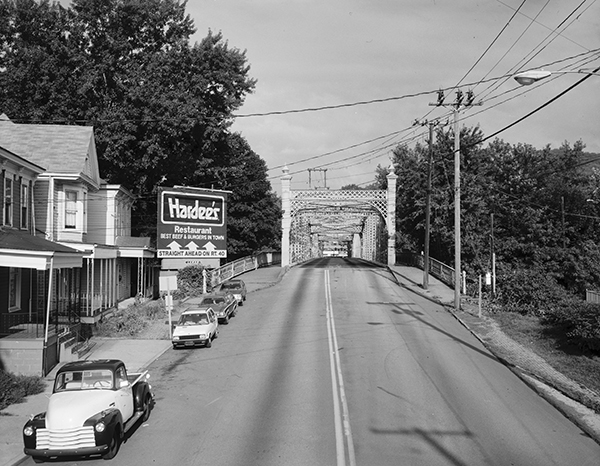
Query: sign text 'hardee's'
{"points": [[178, 207]]}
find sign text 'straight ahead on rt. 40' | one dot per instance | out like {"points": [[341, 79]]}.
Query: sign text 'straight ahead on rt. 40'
{"points": [[191, 223]]}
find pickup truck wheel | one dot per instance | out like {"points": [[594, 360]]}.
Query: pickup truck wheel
{"points": [[147, 407], [113, 447], [226, 320]]}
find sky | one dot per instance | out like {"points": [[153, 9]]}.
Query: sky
{"points": [[393, 56]]}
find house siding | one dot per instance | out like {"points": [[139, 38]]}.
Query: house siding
{"points": [[40, 210]]}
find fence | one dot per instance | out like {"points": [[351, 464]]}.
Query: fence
{"points": [[438, 269], [237, 267]]}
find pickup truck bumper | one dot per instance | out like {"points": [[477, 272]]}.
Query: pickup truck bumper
{"points": [[85, 451]]}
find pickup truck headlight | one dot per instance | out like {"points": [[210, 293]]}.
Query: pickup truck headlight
{"points": [[176, 338], [28, 431], [100, 426]]}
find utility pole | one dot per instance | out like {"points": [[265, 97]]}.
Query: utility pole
{"points": [[431, 124], [457, 105]]}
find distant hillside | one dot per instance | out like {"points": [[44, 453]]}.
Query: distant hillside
{"points": [[591, 160]]}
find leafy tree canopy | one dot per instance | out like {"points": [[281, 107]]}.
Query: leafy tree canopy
{"points": [[161, 107], [540, 206]]}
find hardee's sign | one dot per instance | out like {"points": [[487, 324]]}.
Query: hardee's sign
{"points": [[192, 222]]}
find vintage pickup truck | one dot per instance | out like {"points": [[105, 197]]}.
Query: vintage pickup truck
{"points": [[92, 406]]}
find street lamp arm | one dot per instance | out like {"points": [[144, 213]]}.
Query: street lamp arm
{"points": [[525, 78]]}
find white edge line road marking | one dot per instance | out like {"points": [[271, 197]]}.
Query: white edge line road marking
{"points": [[343, 433]]}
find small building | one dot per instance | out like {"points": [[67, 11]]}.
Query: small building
{"points": [[41, 277], [74, 208]]}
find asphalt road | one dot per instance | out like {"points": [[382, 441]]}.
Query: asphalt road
{"points": [[337, 365]]}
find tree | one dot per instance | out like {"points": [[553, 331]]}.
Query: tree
{"points": [[161, 107], [543, 203]]}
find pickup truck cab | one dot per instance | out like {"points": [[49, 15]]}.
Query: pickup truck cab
{"points": [[92, 406]]}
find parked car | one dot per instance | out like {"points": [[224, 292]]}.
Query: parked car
{"points": [[236, 287], [196, 326], [224, 305], [92, 407]]}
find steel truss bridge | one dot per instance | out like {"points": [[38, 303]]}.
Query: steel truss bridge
{"points": [[363, 222]]}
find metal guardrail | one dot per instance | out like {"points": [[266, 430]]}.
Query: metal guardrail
{"points": [[438, 269], [245, 264]]}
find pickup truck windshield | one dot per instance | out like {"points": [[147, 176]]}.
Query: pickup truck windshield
{"points": [[84, 380]]}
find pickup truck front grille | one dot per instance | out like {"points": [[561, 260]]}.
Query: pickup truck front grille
{"points": [[70, 439]]}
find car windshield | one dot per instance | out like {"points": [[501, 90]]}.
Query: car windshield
{"points": [[83, 380], [193, 319], [215, 300], [230, 286]]}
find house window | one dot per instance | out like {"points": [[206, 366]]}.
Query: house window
{"points": [[70, 209], [14, 289], [8, 197], [24, 205]]}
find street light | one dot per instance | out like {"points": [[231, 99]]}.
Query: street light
{"points": [[525, 78]]}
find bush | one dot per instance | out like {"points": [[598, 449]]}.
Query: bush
{"points": [[189, 282], [581, 322], [132, 320], [14, 388], [530, 291]]}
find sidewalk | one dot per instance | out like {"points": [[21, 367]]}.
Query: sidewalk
{"points": [[566, 395], [137, 355]]}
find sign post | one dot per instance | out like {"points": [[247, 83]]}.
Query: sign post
{"points": [[168, 282]]}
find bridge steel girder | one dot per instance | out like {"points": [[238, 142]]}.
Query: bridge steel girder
{"points": [[361, 217]]}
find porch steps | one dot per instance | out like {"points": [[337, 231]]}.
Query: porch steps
{"points": [[82, 348]]}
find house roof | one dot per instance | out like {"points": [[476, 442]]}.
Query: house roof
{"points": [[130, 246], [7, 156], [64, 149], [20, 249], [11, 238], [133, 242]]}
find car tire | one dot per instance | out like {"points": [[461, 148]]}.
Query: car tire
{"points": [[113, 446], [38, 459], [225, 320], [209, 342], [147, 407]]}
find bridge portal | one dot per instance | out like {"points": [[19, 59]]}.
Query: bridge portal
{"points": [[357, 223]]}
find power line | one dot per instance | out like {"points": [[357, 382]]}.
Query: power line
{"points": [[492, 44]]}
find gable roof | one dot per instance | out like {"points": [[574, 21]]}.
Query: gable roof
{"points": [[61, 149]]}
